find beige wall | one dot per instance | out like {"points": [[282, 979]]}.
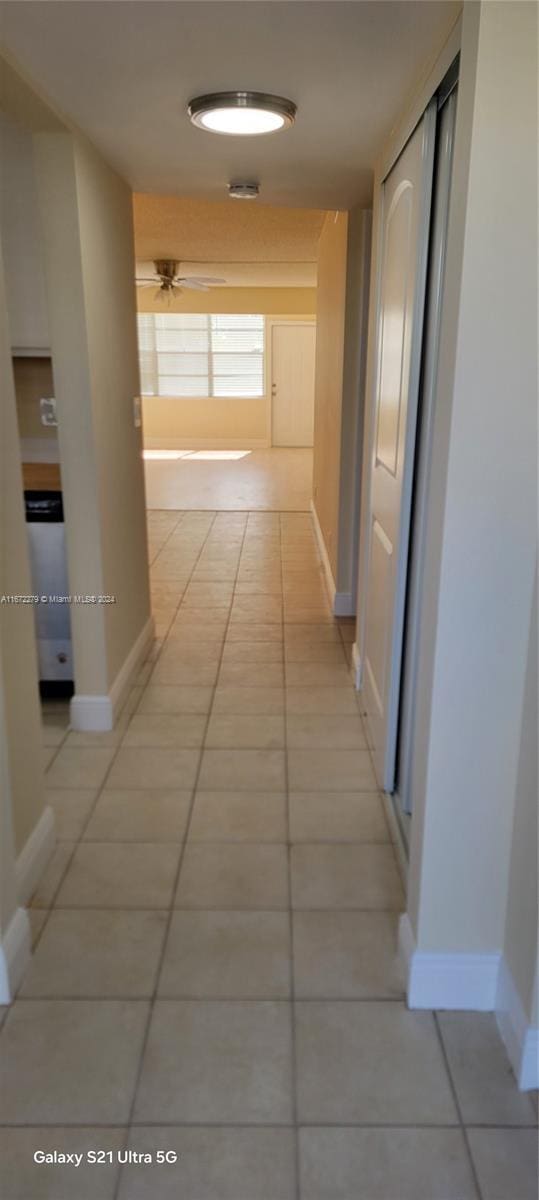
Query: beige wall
{"points": [[331, 305], [57, 192], [169, 419], [267, 300], [21, 739], [353, 399], [87, 228], [19, 221], [108, 272], [33, 379]]}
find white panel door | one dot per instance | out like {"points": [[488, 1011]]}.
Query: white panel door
{"points": [[292, 384], [405, 216]]}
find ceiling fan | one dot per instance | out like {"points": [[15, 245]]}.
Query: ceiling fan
{"points": [[166, 275]]}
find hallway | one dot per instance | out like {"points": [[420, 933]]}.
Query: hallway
{"points": [[215, 972]]}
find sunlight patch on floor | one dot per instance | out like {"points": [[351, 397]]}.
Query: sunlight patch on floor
{"points": [[208, 455], [164, 454]]}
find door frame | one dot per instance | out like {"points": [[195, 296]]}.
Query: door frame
{"points": [[271, 322]]}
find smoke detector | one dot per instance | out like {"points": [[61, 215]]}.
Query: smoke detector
{"points": [[243, 191]]}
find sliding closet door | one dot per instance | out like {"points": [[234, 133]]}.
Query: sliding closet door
{"points": [[405, 220], [445, 136]]}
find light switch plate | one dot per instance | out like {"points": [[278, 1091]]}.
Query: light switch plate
{"points": [[47, 408], [137, 412]]}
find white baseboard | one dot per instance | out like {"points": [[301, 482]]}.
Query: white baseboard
{"points": [[521, 1039], [35, 855], [448, 981], [399, 845], [96, 714], [15, 954], [136, 656], [91, 714], [217, 443], [356, 663], [343, 605], [328, 573]]}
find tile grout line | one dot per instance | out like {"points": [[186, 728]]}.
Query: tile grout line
{"points": [[456, 1102], [294, 1062], [172, 907], [101, 787], [170, 911], [258, 1125]]}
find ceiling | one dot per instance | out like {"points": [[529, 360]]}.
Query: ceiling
{"points": [[251, 275], [124, 72], [246, 243]]}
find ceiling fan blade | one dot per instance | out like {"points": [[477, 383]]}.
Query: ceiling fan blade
{"points": [[209, 279], [150, 283], [194, 284], [145, 279]]}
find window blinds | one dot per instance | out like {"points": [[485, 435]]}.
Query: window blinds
{"points": [[201, 355]]}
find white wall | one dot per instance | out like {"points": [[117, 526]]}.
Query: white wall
{"points": [[521, 933], [19, 656], [470, 923], [481, 535]]}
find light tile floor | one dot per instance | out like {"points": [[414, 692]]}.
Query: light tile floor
{"points": [[215, 970]]}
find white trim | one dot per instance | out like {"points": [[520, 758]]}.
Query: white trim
{"points": [[521, 1040], [15, 954], [328, 573], [35, 855], [399, 844], [216, 443], [452, 981], [428, 87], [91, 714], [343, 605], [96, 713], [131, 664], [357, 667]]}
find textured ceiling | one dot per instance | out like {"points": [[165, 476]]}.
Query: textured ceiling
{"points": [[238, 232], [124, 72], [253, 275]]}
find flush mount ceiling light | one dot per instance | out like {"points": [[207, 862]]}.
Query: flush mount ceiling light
{"points": [[243, 191], [241, 114]]}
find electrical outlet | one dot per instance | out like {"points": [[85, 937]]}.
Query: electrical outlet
{"points": [[137, 412]]}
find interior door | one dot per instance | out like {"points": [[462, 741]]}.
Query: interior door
{"points": [[404, 234], [292, 384]]}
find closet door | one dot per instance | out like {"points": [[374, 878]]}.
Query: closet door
{"points": [[405, 221]]}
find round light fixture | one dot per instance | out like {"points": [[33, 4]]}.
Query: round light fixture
{"points": [[241, 114], [243, 191]]}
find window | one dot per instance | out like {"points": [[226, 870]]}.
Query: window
{"points": [[201, 355]]}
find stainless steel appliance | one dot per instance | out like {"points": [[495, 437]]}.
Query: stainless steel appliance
{"points": [[45, 521]]}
